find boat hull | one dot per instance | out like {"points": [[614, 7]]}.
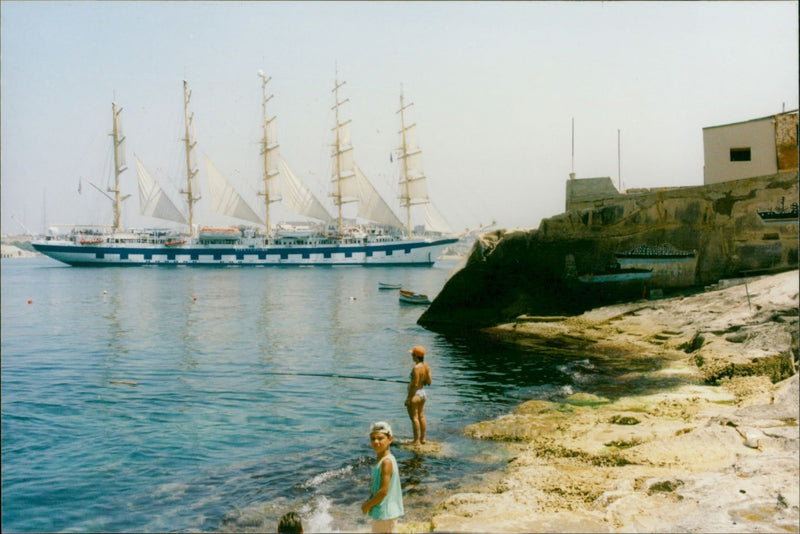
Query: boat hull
{"points": [[409, 297], [402, 252]]}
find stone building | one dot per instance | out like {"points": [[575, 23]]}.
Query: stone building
{"points": [[756, 147]]}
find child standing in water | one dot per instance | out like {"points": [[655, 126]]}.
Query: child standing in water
{"points": [[385, 503], [415, 400]]}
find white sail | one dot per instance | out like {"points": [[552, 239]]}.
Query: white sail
{"points": [[417, 190], [343, 175], [413, 186], [153, 202], [413, 162], [434, 221], [299, 198], [344, 137], [412, 140], [345, 186], [413, 189], [225, 199], [371, 205]]}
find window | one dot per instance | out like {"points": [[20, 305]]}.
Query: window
{"points": [[740, 154]]}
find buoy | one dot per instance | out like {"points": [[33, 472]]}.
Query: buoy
{"points": [[105, 292], [195, 298], [30, 301]]}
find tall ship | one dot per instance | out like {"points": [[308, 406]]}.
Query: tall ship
{"points": [[376, 236]]}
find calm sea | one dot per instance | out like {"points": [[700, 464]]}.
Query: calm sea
{"points": [[225, 429]]}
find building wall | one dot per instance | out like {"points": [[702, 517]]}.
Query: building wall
{"points": [[720, 221], [786, 140], [757, 135]]}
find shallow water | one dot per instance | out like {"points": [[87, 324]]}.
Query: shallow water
{"points": [[225, 429]]}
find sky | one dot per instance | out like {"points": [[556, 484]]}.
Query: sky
{"points": [[496, 88]]}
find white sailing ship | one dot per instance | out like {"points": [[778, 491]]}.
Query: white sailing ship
{"points": [[382, 239]]}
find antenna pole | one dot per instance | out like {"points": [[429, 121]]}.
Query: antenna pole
{"points": [[619, 163], [572, 173]]}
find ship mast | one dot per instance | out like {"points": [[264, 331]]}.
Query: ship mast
{"points": [[405, 197], [413, 190], [190, 144], [267, 151], [341, 148], [119, 165]]}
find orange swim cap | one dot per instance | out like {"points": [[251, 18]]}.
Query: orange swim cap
{"points": [[418, 351]]}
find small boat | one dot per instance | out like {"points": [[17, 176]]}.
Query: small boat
{"points": [[616, 275], [174, 243], [387, 285], [409, 297], [93, 241]]}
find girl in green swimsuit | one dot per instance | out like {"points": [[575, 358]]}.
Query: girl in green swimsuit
{"points": [[385, 503]]}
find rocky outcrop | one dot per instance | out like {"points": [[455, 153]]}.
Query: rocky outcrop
{"points": [[683, 457], [747, 328], [539, 272], [696, 459]]}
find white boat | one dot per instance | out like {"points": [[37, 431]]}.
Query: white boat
{"points": [[388, 285], [381, 240]]}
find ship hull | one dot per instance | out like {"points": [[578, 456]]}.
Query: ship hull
{"points": [[403, 252]]}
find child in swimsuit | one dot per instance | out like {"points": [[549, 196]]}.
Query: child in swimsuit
{"points": [[416, 397], [385, 503]]}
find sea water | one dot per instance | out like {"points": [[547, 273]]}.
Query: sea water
{"points": [[212, 399]]}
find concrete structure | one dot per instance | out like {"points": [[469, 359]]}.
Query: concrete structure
{"points": [[584, 191], [757, 147], [10, 251]]}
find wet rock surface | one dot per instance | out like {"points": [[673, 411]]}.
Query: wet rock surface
{"points": [[718, 452]]}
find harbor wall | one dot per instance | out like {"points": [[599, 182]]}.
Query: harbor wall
{"points": [[535, 272]]}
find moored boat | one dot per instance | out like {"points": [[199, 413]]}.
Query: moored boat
{"points": [[409, 297], [616, 275], [387, 285]]}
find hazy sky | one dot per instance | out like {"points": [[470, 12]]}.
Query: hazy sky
{"points": [[495, 88]]}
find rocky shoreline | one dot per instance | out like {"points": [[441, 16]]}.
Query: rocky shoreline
{"points": [[713, 448]]}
